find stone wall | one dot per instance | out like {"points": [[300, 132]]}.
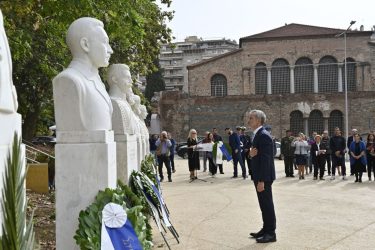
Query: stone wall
{"points": [[179, 112], [239, 68]]}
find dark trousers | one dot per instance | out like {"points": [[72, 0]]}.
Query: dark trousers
{"points": [[328, 160], [288, 163], [238, 159], [164, 159], [171, 159], [266, 206], [211, 166], [370, 165], [320, 166], [220, 168], [338, 161], [358, 176]]}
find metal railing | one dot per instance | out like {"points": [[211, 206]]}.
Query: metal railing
{"points": [[32, 152]]}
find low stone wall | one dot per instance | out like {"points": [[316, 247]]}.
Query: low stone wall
{"points": [[179, 112]]}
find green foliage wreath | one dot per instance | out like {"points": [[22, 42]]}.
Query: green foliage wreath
{"points": [[88, 235]]}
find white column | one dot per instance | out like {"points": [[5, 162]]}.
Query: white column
{"points": [[292, 79], [340, 78], [326, 123], [316, 80], [269, 86]]}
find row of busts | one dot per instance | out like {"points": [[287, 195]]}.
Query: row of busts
{"points": [[128, 112], [81, 100]]}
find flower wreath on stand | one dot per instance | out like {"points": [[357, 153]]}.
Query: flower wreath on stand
{"points": [[88, 234]]}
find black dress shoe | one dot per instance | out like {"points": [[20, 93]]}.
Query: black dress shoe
{"points": [[234, 176], [267, 238], [258, 234]]}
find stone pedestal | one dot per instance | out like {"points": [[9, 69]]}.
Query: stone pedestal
{"points": [[127, 158], [139, 150], [85, 164], [9, 123]]}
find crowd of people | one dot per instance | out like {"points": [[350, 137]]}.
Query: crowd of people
{"points": [[321, 152], [307, 155], [238, 146]]}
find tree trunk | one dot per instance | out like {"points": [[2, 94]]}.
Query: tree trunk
{"points": [[30, 123]]}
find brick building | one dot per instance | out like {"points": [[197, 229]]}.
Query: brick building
{"points": [[295, 73]]}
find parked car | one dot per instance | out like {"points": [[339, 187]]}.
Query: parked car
{"points": [[44, 140], [179, 145]]}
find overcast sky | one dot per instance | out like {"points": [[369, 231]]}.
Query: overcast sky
{"points": [[234, 19]]}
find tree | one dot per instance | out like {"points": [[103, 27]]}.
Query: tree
{"points": [[36, 31], [155, 82]]}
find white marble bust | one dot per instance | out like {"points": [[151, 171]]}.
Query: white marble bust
{"points": [[120, 82], [137, 107], [8, 94], [136, 104], [81, 100], [143, 116], [144, 112]]}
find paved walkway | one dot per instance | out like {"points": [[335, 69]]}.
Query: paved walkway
{"points": [[220, 213]]}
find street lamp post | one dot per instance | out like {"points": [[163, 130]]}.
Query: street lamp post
{"points": [[346, 81]]}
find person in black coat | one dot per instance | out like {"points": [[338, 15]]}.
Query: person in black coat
{"points": [[318, 153], [337, 146], [263, 168], [193, 154]]}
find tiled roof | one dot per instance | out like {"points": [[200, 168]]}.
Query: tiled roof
{"points": [[296, 30]]}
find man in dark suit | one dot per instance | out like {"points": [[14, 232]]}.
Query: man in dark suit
{"points": [[246, 142], [263, 175], [235, 144]]}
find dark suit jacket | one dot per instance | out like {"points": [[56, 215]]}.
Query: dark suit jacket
{"points": [[263, 166], [321, 158], [234, 142]]}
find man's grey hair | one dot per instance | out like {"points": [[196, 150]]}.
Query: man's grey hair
{"points": [[260, 115]]}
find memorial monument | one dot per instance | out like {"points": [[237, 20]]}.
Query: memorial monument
{"points": [[143, 116], [85, 149], [10, 120], [140, 137], [124, 122]]}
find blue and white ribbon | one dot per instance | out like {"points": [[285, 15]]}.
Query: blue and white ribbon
{"points": [[117, 230]]}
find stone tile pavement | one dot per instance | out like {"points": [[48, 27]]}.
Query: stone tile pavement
{"points": [[220, 213]]}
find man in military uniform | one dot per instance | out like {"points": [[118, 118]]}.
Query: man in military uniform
{"points": [[288, 153]]}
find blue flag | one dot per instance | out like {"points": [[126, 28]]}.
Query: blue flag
{"points": [[225, 152]]}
